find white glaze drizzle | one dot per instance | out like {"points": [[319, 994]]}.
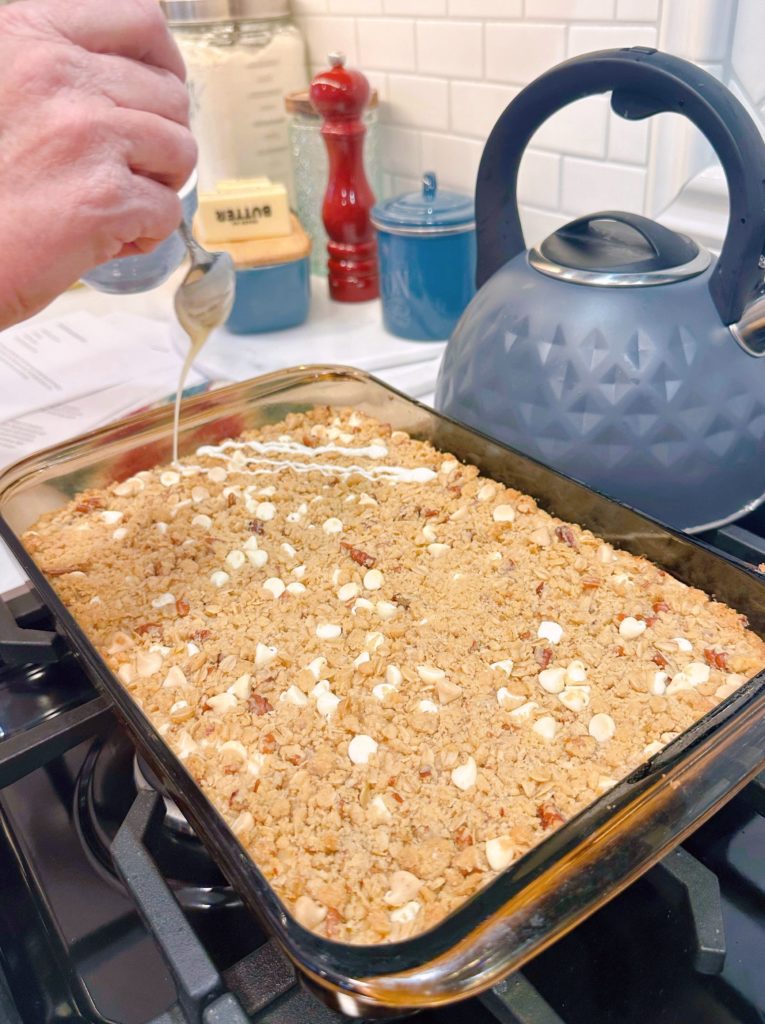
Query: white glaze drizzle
{"points": [[261, 449]]}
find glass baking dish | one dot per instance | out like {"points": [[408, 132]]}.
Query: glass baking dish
{"points": [[557, 883]]}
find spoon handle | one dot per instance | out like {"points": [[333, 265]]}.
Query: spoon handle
{"points": [[196, 251]]}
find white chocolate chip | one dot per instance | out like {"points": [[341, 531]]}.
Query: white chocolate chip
{"points": [[219, 578], [683, 644], [601, 727], [234, 747], [199, 494], [163, 599], [374, 640], [525, 711], [505, 666], [429, 674], [404, 886], [447, 691], [288, 550], [606, 783], [130, 486], [251, 544], [267, 492], [328, 631], [361, 748], [428, 707], [630, 628], [178, 708], [308, 912], [503, 514], [336, 574], [540, 537], [407, 913], [366, 499], [175, 677], [120, 533], [292, 695], [551, 631], [274, 586], [298, 572], [448, 466], [316, 667], [361, 604], [438, 549], [160, 527], [605, 554], [576, 672], [217, 474], [386, 609], [235, 559], [393, 675], [326, 704], [126, 674], [429, 532], [378, 810], [202, 521], [147, 663], [658, 684], [169, 478], [382, 691], [347, 592], [332, 525], [500, 852], [264, 655], [111, 516], [506, 699], [552, 679], [652, 748], [373, 579], [680, 681], [241, 687], [575, 698], [546, 727], [295, 588], [265, 511], [192, 649], [697, 672], [243, 823], [257, 558], [222, 702], [485, 493], [362, 659], [464, 775]]}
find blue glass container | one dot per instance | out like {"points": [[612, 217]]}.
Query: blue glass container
{"points": [[427, 252]]}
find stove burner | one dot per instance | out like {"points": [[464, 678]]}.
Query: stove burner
{"points": [[106, 788]]}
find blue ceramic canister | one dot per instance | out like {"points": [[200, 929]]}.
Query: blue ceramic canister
{"points": [[427, 250]]}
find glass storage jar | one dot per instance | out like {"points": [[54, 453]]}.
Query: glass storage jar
{"points": [[242, 58], [310, 167]]}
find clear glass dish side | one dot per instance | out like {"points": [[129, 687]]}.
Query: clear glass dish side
{"points": [[555, 884]]}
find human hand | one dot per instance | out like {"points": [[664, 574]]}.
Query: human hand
{"points": [[94, 141]]}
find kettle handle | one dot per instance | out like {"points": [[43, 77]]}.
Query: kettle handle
{"points": [[643, 82]]}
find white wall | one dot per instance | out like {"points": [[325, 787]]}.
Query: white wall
{"points": [[445, 69]]}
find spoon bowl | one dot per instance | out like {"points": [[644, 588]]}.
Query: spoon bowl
{"points": [[204, 298]]}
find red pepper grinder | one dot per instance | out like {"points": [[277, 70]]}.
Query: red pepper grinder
{"points": [[340, 95]]}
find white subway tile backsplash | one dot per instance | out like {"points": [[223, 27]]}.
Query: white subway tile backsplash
{"points": [[324, 34], [300, 7], [628, 140], [386, 43], [539, 179], [415, 8], [355, 6], [486, 8], [584, 38], [538, 224], [452, 48], [591, 10], [637, 10], [591, 185], [454, 160], [518, 52], [580, 128], [400, 150], [416, 101], [476, 106], [749, 61]]}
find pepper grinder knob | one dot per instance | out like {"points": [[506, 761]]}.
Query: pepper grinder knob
{"points": [[340, 95]]}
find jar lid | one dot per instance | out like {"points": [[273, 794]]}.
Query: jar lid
{"points": [[433, 211], [207, 12], [300, 103]]}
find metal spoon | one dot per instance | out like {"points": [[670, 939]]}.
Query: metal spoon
{"points": [[204, 298]]}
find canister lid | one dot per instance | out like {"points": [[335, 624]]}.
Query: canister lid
{"points": [[208, 12], [433, 211]]}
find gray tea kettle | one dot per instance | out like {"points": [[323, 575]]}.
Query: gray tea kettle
{"points": [[619, 352]]}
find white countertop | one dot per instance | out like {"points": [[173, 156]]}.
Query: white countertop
{"points": [[347, 333]]}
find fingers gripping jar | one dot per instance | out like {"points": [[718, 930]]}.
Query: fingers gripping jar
{"points": [[242, 58]]}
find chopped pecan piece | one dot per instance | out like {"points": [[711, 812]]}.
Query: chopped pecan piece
{"points": [[63, 570], [90, 504], [259, 705], [147, 627], [200, 635], [182, 607], [588, 583], [462, 837], [549, 815], [310, 442], [256, 526], [539, 588], [543, 656], [267, 743], [359, 557], [332, 922], [660, 606], [660, 660], [231, 500], [566, 535], [716, 659]]}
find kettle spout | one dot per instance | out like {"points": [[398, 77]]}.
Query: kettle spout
{"points": [[749, 332]]}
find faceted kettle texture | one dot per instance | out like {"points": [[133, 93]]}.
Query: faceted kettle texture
{"points": [[638, 392]]}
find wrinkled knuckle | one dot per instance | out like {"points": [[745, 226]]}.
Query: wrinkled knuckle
{"points": [[149, 18]]}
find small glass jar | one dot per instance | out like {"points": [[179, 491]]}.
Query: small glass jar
{"points": [[310, 167], [242, 58]]}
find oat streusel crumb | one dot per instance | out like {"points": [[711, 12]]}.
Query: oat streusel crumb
{"points": [[390, 682]]}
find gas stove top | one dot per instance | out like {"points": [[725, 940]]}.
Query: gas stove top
{"points": [[112, 911]]}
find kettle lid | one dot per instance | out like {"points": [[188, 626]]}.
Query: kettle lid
{"points": [[614, 249]]}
